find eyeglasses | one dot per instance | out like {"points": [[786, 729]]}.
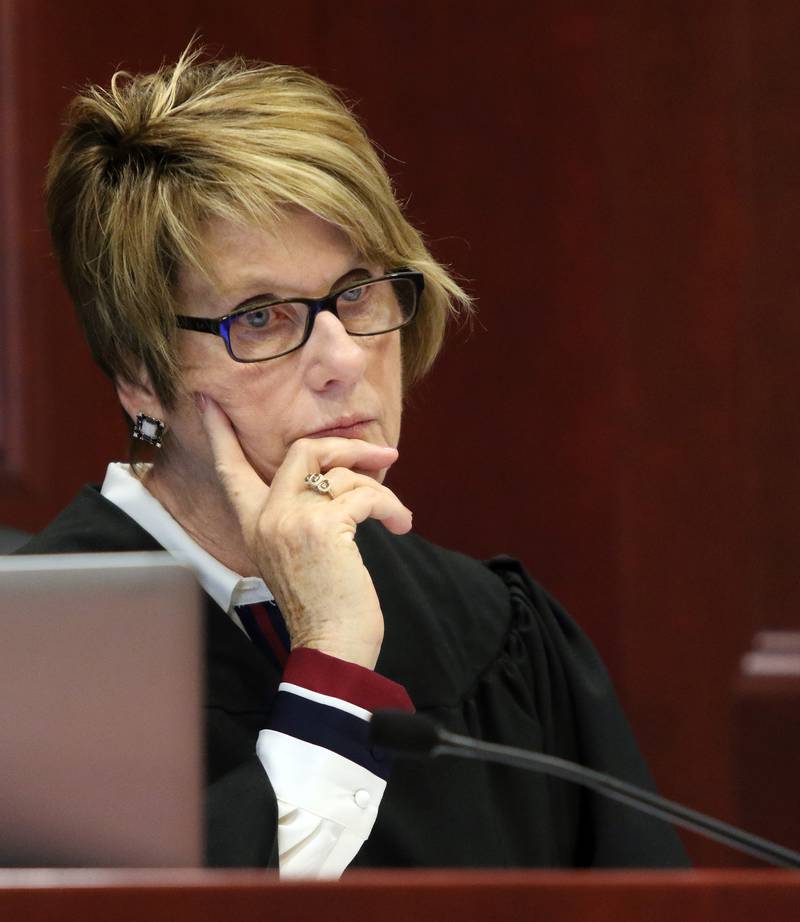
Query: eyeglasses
{"points": [[269, 329]]}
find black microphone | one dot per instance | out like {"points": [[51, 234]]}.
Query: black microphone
{"points": [[414, 735]]}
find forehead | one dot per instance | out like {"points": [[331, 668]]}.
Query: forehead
{"points": [[298, 254]]}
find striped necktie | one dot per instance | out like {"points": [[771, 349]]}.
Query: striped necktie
{"points": [[265, 626]]}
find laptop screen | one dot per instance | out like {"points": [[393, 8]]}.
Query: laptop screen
{"points": [[100, 711]]}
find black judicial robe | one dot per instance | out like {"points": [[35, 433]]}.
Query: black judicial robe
{"points": [[482, 650]]}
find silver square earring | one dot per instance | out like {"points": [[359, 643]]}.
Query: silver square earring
{"points": [[148, 429]]}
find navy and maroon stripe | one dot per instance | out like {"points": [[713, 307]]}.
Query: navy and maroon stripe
{"points": [[266, 628], [329, 727]]}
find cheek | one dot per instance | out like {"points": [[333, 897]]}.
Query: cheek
{"points": [[387, 379], [231, 384], [249, 395], [256, 407], [259, 405]]}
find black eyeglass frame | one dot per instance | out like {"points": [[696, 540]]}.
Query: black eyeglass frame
{"points": [[221, 326]]}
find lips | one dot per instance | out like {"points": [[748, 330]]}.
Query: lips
{"points": [[346, 427]]}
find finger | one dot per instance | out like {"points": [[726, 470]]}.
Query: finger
{"points": [[311, 455], [375, 502], [342, 479], [240, 481]]}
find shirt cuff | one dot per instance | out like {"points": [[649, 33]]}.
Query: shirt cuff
{"points": [[327, 702], [327, 778], [326, 675], [322, 786]]}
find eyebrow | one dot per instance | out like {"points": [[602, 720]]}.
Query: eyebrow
{"points": [[353, 275]]}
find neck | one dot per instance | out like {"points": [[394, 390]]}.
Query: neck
{"points": [[201, 508]]}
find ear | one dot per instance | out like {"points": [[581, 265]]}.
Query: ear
{"points": [[139, 396]]}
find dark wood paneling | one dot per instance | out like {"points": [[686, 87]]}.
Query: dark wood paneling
{"points": [[772, 340], [681, 228]]}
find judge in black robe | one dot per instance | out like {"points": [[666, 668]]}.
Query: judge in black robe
{"points": [[483, 651], [249, 282]]}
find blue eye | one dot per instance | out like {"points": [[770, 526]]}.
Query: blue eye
{"points": [[352, 295], [256, 320]]}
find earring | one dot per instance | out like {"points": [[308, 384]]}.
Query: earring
{"points": [[148, 429]]}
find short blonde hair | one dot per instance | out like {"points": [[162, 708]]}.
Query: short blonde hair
{"points": [[142, 165]]}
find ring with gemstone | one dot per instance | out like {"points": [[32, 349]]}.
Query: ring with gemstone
{"points": [[319, 483]]}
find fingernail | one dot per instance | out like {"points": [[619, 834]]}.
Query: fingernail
{"points": [[200, 401]]}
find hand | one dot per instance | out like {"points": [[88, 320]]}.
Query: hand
{"points": [[302, 541]]}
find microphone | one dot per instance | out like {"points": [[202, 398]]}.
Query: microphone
{"points": [[416, 736]]}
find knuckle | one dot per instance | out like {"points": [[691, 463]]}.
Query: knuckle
{"points": [[301, 446], [297, 529], [283, 527], [386, 493], [317, 528]]}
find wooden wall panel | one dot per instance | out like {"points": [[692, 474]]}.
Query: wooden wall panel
{"points": [[618, 184], [13, 392], [682, 278], [773, 335]]}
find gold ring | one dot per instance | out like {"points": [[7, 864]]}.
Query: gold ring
{"points": [[319, 484]]}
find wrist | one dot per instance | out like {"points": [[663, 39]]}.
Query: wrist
{"points": [[358, 651]]}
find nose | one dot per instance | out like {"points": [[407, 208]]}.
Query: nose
{"points": [[333, 357]]}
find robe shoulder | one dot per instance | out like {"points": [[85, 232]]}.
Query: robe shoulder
{"points": [[90, 524]]}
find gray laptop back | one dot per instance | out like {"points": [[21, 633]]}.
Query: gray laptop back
{"points": [[100, 730]]}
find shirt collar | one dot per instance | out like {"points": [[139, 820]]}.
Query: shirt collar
{"points": [[226, 587]]}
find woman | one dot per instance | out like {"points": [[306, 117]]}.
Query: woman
{"points": [[247, 280]]}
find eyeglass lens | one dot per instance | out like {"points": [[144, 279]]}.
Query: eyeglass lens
{"points": [[364, 310]]}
